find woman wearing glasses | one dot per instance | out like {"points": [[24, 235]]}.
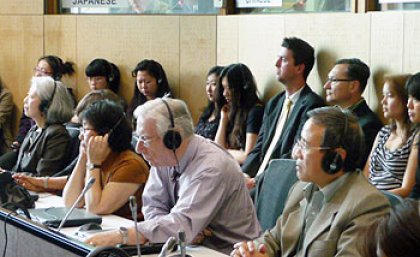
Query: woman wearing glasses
{"points": [[393, 159], [106, 156], [47, 66]]}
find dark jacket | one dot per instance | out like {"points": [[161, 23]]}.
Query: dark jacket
{"points": [[308, 100], [47, 154]]}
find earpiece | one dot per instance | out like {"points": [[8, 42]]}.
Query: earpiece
{"points": [[45, 104], [172, 138], [111, 72], [332, 162], [246, 82]]}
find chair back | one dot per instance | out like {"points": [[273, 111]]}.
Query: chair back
{"points": [[272, 191]]}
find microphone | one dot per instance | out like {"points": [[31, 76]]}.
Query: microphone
{"points": [[85, 189], [133, 208], [169, 245], [182, 243]]}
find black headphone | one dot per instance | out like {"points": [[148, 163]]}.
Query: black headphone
{"points": [[45, 104], [246, 85], [332, 162], [111, 131], [172, 138], [110, 76]]}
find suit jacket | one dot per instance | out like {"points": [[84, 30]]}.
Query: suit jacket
{"points": [[48, 153], [307, 101], [355, 205], [370, 124]]}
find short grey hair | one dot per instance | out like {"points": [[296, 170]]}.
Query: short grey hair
{"points": [[156, 110], [342, 130], [60, 108]]}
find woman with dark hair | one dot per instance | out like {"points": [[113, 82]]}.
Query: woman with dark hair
{"points": [[56, 184], [151, 82], [106, 156], [47, 66], [102, 74], [208, 123], [240, 111], [413, 105], [396, 235], [393, 159], [44, 149]]}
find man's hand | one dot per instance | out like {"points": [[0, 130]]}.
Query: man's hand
{"points": [[114, 237], [250, 183], [248, 249], [201, 236]]}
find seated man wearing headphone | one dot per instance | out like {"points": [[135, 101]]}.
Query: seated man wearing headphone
{"points": [[194, 185], [332, 202]]}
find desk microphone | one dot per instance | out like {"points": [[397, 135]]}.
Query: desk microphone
{"points": [[85, 189], [133, 208], [169, 245]]}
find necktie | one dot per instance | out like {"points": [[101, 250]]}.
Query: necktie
{"points": [[279, 128]]}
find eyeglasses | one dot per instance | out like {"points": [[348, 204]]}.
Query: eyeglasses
{"points": [[83, 130], [335, 80], [303, 146], [42, 71], [145, 141]]}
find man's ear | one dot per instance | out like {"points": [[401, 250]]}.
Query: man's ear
{"points": [[355, 86], [342, 152], [301, 68]]}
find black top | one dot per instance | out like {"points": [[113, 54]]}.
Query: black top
{"points": [[207, 128], [416, 189]]}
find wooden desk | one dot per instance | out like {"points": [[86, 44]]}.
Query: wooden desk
{"points": [[28, 239]]}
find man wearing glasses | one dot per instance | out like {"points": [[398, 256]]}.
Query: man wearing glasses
{"points": [[332, 201], [346, 82], [194, 185]]}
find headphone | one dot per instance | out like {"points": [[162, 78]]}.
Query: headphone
{"points": [[172, 138], [45, 104], [110, 76], [111, 131], [332, 162], [246, 85]]}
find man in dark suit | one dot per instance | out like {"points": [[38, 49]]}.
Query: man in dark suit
{"points": [[346, 82], [285, 113]]}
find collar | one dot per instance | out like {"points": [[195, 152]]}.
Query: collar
{"points": [[295, 96], [355, 105], [328, 191]]}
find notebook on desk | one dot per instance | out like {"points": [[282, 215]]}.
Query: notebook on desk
{"points": [[53, 216]]}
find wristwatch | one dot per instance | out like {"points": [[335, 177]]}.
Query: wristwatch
{"points": [[91, 166], [124, 235]]}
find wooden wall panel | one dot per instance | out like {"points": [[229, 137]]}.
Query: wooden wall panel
{"points": [[411, 49], [387, 41], [16, 7], [333, 36], [60, 40], [21, 45], [126, 40], [227, 39], [260, 40], [197, 56]]}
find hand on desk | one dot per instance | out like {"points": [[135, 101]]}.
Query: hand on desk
{"points": [[35, 184], [201, 236], [248, 249], [114, 237]]}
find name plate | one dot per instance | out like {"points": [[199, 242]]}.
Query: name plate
{"points": [[95, 4], [258, 3]]}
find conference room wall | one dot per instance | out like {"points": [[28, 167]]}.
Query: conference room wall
{"points": [[21, 7], [188, 45]]}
